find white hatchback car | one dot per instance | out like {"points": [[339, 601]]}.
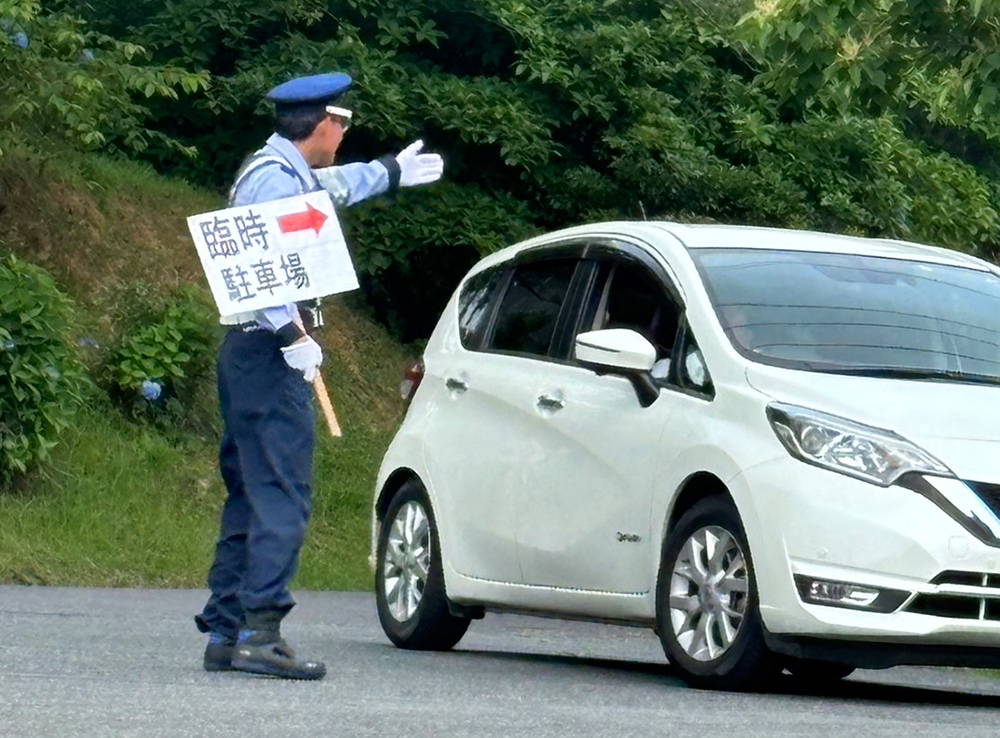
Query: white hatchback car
{"points": [[779, 449]]}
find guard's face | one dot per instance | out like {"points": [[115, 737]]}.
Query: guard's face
{"points": [[331, 132]]}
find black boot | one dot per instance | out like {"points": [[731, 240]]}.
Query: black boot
{"points": [[261, 649], [219, 653]]}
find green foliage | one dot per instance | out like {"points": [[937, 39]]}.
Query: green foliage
{"points": [[75, 84], [383, 232], [151, 371], [940, 57], [41, 381], [409, 263], [866, 116], [866, 177]]}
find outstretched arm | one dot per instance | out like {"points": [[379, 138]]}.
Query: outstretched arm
{"points": [[352, 183]]}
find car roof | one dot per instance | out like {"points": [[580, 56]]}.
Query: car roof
{"points": [[700, 236], [695, 236]]}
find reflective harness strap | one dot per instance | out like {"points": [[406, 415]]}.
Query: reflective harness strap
{"points": [[259, 160]]}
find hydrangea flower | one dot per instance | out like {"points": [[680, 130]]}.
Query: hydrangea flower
{"points": [[151, 390], [17, 36]]}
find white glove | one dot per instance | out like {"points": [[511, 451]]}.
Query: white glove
{"points": [[416, 168], [305, 356]]}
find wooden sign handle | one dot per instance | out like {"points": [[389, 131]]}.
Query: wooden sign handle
{"points": [[319, 386]]}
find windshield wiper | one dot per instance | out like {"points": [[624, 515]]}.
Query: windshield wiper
{"points": [[891, 372]]}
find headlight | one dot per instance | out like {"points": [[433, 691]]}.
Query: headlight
{"points": [[872, 454]]}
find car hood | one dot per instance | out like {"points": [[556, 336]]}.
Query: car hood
{"points": [[957, 423]]}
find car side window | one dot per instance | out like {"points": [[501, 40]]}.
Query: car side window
{"points": [[474, 302], [633, 298], [526, 318]]}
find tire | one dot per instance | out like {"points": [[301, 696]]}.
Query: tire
{"points": [[817, 672], [413, 609], [707, 610]]}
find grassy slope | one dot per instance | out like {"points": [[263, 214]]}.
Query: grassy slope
{"points": [[123, 504]]}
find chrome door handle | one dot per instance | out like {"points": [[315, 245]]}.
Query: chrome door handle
{"points": [[456, 385], [547, 402]]}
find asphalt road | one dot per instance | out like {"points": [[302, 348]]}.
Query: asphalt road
{"points": [[102, 663]]}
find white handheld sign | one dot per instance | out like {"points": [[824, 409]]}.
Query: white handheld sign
{"points": [[273, 253]]}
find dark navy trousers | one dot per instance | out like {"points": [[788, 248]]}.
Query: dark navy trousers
{"points": [[266, 462]]}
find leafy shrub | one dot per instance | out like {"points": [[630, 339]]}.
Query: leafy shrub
{"points": [[865, 176], [874, 118], [411, 254], [855, 56], [41, 381], [155, 362], [61, 80]]}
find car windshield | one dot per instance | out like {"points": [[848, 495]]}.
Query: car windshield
{"points": [[854, 314]]}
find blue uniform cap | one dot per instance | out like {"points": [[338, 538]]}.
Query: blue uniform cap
{"points": [[316, 88]]}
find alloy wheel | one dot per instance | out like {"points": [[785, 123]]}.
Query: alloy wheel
{"points": [[708, 593], [407, 561]]}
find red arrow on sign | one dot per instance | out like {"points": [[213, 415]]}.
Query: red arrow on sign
{"points": [[311, 218]]}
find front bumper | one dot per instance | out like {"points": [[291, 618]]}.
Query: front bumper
{"points": [[808, 523], [882, 654]]}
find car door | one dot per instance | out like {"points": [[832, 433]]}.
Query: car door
{"points": [[483, 442], [584, 498]]}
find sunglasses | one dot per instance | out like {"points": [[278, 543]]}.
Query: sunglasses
{"points": [[343, 115]]}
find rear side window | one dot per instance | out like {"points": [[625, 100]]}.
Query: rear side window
{"points": [[526, 319], [473, 306]]}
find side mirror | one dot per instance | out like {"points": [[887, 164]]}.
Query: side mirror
{"points": [[621, 351], [616, 348]]}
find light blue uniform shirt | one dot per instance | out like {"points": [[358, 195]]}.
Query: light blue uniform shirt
{"points": [[347, 185]]}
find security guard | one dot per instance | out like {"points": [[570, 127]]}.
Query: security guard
{"points": [[264, 369]]}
